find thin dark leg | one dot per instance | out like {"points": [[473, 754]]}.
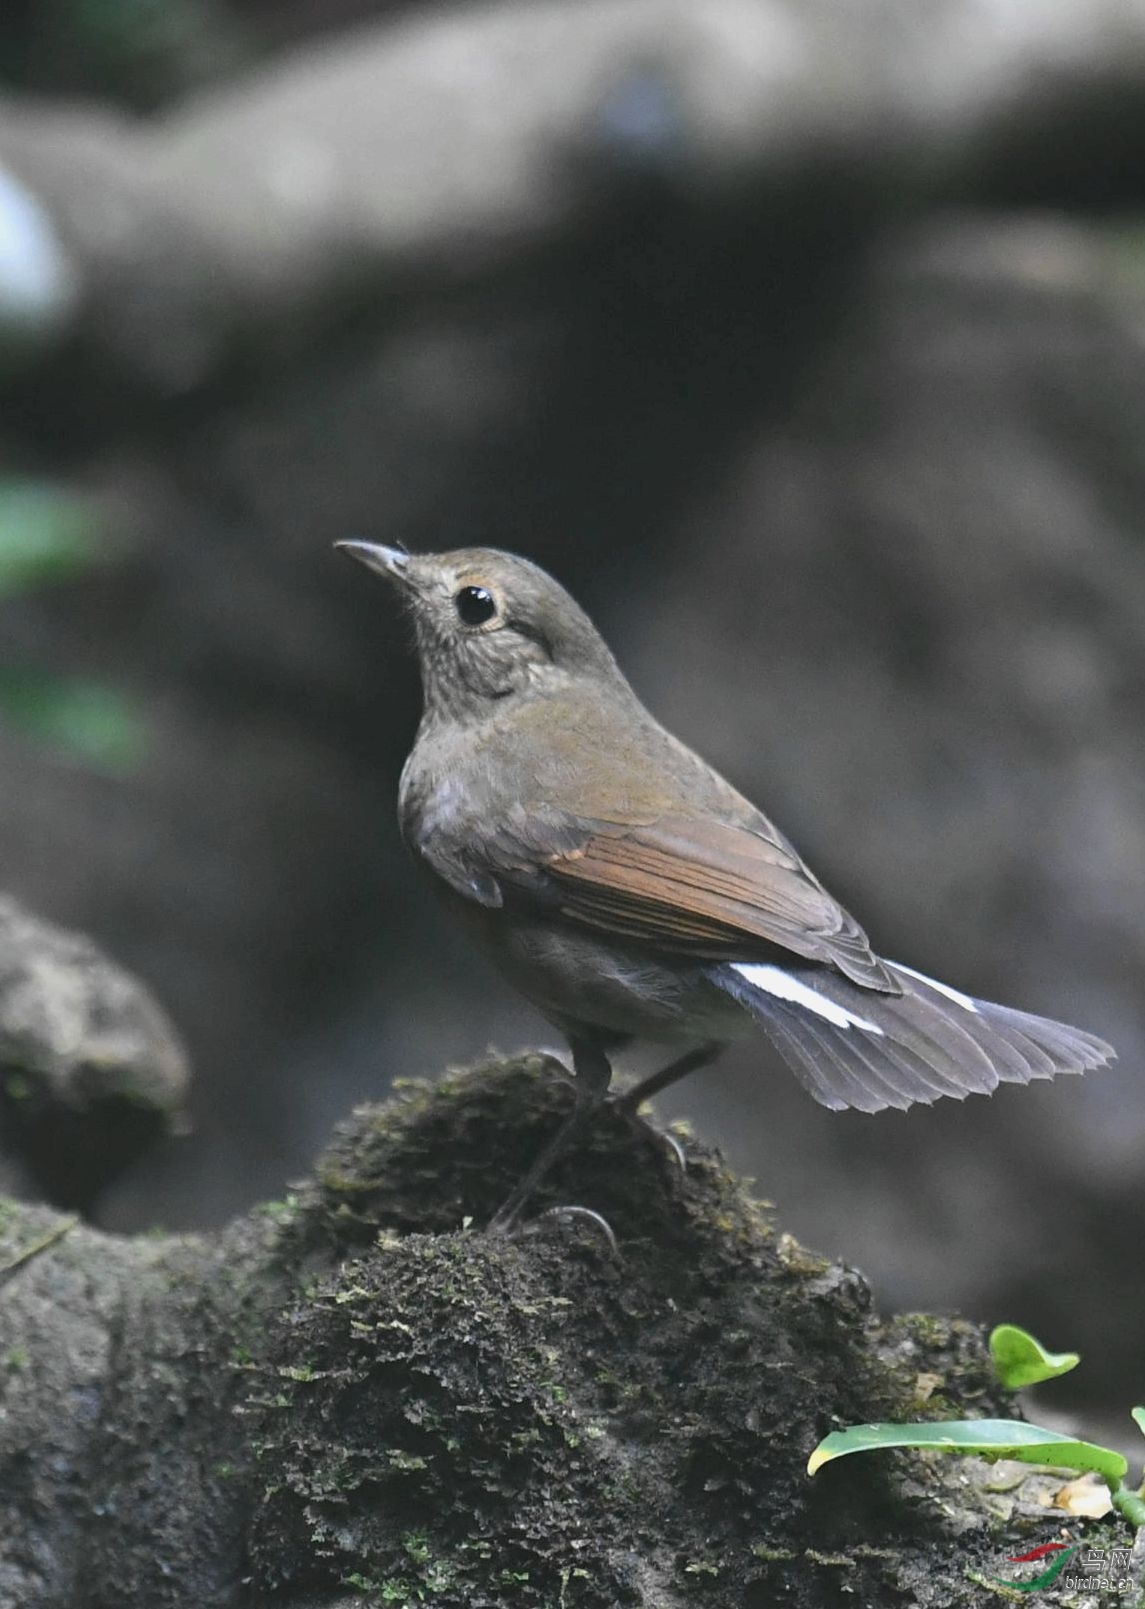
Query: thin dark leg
{"points": [[690, 1062], [593, 1075]]}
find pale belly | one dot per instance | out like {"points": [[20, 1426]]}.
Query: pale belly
{"points": [[579, 980]]}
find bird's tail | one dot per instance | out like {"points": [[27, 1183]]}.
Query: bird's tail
{"points": [[855, 1047]]}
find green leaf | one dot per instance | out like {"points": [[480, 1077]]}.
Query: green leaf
{"points": [[88, 721], [1022, 1361], [980, 1438], [1131, 1504], [46, 534], [1138, 1415]]}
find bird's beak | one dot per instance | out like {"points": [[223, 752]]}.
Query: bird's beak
{"points": [[386, 561]]}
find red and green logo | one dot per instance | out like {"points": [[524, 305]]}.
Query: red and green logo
{"points": [[1057, 1552]]}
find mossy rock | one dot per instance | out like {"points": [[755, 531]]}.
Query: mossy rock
{"points": [[356, 1397], [466, 1420]]}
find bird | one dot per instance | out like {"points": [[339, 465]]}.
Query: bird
{"points": [[631, 893]]}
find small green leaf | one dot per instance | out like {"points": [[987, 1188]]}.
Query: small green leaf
{"points": [[978, 1438], [91, 722], [1139, 1418], [1022, 1361], [46, 534], [1131, 1504]]}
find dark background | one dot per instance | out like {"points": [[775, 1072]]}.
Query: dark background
{"points": [[805, 344]]}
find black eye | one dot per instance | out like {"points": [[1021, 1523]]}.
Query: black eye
{"points": [[475, 605]]}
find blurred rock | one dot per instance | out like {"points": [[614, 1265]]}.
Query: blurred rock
{"points": [[446, 146], [91, 1071]]}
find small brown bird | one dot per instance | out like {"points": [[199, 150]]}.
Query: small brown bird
{"points": [[631, 893]]}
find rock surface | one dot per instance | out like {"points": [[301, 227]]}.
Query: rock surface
{"points": [[91, 1070]]}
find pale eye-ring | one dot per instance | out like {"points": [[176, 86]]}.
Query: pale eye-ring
{"points": [[475, 605]]}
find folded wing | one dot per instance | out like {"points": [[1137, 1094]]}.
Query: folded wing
{"points": [[714, 889]]}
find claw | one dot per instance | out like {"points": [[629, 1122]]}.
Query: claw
{"points": [[666, 1137], [546, 1058], [595, 1218], [650, 1132]]}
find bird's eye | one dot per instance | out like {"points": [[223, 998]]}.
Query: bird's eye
{"points": [[475, 605]]}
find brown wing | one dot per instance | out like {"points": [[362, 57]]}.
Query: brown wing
{"points": [[711, 888]]}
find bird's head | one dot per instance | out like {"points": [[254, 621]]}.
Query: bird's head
{"points": [[489, 626]]}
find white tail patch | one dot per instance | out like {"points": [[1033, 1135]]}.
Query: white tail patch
{"points": [[773, 980], [960, 999]]}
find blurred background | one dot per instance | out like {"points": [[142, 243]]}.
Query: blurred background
{"points": [[805, 343]]}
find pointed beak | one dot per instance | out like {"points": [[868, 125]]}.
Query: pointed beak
{"points": [[386, 561]]}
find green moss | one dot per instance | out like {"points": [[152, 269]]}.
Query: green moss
{"points": [[279, 1210], [1010, 1594], [796, 1259], [934, 1333]]}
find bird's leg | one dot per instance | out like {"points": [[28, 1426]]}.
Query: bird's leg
{"points": [[633, 1099], [630, 1102], [593, 1075]]}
